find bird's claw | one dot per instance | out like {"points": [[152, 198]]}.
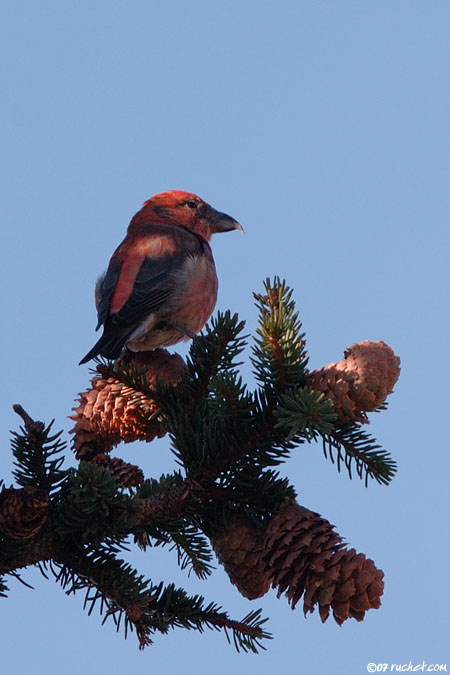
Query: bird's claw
{"points": [[186, 331]]}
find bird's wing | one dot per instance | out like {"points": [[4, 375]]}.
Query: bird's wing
{"points": [[137, 286], [104, 289], [152, 287]]}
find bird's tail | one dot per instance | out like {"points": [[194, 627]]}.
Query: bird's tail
{"points": [[108, 346]]}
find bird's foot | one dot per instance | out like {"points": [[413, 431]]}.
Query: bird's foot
{"points": [[186, 331], [127, 354]]}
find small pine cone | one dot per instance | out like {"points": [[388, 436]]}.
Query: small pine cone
{"points": [[110, 412], [360, 382], [305, 556], [239, 550], [23, 511], [126, 475]]}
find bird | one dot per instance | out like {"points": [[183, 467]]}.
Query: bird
{"points": [[160, 287]]}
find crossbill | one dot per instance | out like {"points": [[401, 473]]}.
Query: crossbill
{"points": [[160, 287]]}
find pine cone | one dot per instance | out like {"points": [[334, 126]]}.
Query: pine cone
{"points": [[126, 475], [239, 550], [23, 511], [360, 382], [305, 556], [110, 412]]}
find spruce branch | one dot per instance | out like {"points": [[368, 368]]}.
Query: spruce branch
{"points": [[193, 552], [89, 504], [214, 351], [208, 446], [15, 555], [279, 355], [247, 633], [144, 606], [227, 440], [306, 412], [3, 589], [38, 454], [257, 494], [181, 533], [350, 445]]}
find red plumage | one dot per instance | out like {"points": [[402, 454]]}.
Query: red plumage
{"points": [[161, 285]]}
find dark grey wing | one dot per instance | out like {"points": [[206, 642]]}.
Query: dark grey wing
{"points": [[104, 291], [154, 285], [152, 288]]}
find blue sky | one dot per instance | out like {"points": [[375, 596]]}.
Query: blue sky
{"points": [[323, 127]]}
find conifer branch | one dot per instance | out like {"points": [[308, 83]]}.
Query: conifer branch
{"points": [[214, 351], [279, 355], [18, 554], [38, 454], [227, 440], [306, 412], [3, 589], [143, 606], [352, 445]]}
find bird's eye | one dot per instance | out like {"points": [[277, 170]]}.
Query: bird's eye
{"points": [[192, 204]]}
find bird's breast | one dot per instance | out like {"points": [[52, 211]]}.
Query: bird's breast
{"points": [[197, 291]]}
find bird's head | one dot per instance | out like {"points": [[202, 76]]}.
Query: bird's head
{"points": [[185, 210]]}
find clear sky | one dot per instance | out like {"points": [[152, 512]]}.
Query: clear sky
{"points": [[323, 127]]}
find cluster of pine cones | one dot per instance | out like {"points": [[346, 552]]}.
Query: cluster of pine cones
{"points": [[298, 553]]}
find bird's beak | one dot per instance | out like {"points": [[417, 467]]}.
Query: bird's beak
{"points": [[220, 222]]}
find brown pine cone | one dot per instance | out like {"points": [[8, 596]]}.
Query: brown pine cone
{"points": [[23, 511], [126, 475], [360, 382], [239, 550], [110, 412], [305, 556]]}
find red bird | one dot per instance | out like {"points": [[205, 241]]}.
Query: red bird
{"points": [[161, 285]]}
